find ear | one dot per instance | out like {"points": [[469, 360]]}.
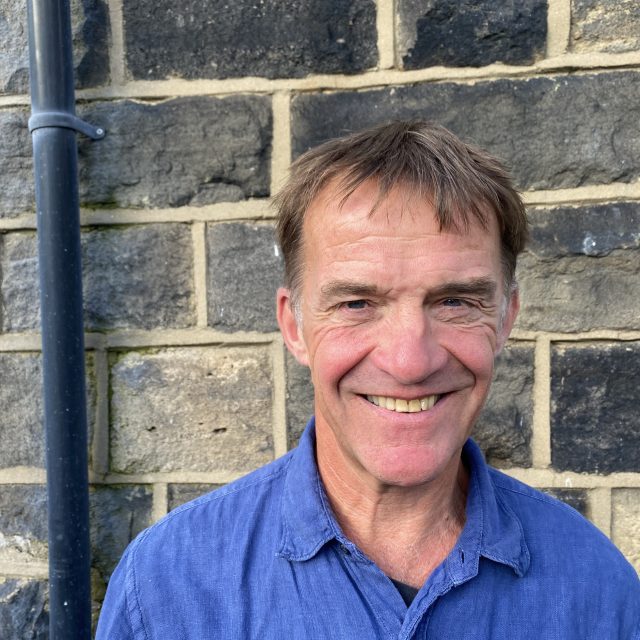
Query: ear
{"points": [[513, 306], [291, 331]]}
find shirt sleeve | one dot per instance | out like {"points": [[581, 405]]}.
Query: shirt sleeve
{"points": [[115, 620]]}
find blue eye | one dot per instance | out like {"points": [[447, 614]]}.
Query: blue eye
{"points": [[452, 302], [356, 304]]}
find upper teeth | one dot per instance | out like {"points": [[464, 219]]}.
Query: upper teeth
{"points": [[403, 406]]}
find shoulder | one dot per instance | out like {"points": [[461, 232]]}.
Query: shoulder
{"points": [[196, 546], [246, 490], [524, 499], [560, 537], [222, 521]]}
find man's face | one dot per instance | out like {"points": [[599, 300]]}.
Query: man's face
{"points": [[400, 324]]}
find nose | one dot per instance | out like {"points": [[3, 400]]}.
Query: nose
{"points": [[409, 349]]}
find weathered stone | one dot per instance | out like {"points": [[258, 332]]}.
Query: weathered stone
{"points": [[139, 277], [269, 38], [580, 294], [24, 610], [22, 424], [14, 61], [191, 409], [21, 427], [462, 33], [23, 523], [117, 514], [593, 409], [596, 141], [90, 33], [503, 430], [16, 165], [91, 29], [299, 396], [625, 525], [19, 286], [576, 498], [580, 264], [605, 25], [180, 493], [244, 269], [134, 277], [594, 230], [194, 150]]}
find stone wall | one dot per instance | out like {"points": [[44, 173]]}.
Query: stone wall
{"points": [[205, 103]]}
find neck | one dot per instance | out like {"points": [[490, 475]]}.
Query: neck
{"points": [[406, 530]]}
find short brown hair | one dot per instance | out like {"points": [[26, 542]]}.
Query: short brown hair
{"points": [[458, 179]]}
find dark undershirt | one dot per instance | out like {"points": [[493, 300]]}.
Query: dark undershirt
{"points": [[407, 592]]}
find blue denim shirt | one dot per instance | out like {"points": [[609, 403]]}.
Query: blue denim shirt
{"points": [[265, 558]]}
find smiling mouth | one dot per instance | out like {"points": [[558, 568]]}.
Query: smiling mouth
{"points": [[404, 406]]}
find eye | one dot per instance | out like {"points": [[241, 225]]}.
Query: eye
{"points": [[356, 304], [452, 302]]}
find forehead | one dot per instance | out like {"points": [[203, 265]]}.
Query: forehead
{"points": [[400, 227]]}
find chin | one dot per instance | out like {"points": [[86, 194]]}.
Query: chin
{"points": [[411, 467]]}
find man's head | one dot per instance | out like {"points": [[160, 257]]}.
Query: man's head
{"points": [[460, 181], [398, 245]]}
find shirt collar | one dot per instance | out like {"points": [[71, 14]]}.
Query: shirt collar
{"points": [[306, 515], [492, 530]]}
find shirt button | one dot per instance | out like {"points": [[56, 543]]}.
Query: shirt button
{"points": [[345, 550]]}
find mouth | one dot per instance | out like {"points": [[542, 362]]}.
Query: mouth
{"points": [[404, 406]]}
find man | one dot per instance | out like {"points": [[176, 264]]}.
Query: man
{"points": [[400, 247]]}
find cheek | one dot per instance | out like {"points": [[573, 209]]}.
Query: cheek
{"points": [[476, 352], [334, 352]]}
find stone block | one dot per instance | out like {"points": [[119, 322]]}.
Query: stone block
{"points": [[117, 514], [244, 269], [594, 422], [186, 151], [503, 430], [23, 523], [299, 399], [625, 523], [611, 26], [191, 409], [579, 294], [21, 428], [180, 493], [576, 498], [90, 34], [591, 230], [19, 285], [24, 609], [16, 164], [468, 33], [138, 277], [581, 264], [21, 405], [14, 61], [270, 38], [596, 140]]}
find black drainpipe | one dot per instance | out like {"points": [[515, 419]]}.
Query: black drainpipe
{"points": [[53, 125]]}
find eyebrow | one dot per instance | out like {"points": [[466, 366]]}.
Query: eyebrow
{"points": [[342, 288], [482, 287]]}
